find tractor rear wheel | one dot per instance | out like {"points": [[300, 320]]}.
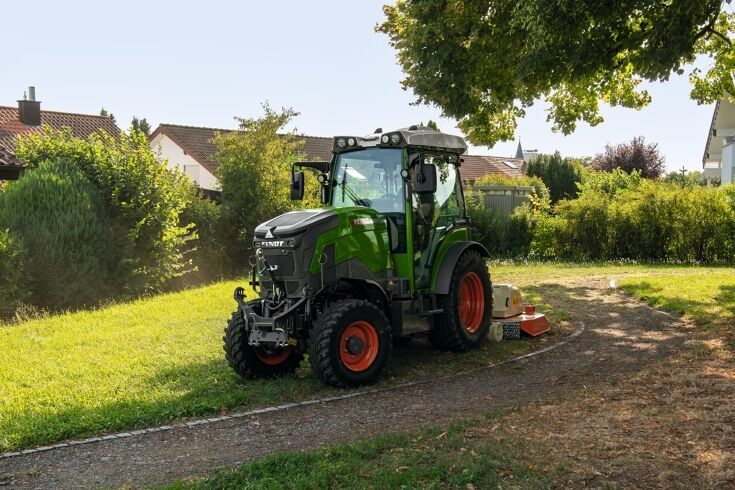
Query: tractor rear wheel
{"points": [[467, 314], [350, 343], [256, 362]]}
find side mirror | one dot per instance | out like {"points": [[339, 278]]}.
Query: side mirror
{"points": [[297, 186], [424, 178]]}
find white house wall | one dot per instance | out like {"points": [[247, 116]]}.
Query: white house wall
{"points": [[177, 159], [728, 162]]}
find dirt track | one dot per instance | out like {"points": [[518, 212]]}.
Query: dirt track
{"points": [[621, 336]]}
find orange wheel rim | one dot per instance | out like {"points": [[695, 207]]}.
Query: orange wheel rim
{"points": [[273, 358], [358, 346], [471, 302]]}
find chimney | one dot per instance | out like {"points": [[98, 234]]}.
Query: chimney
{"points": [[29, 109]]}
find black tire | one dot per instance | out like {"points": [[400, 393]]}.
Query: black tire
{"points": [[246, 360], [449, 333], [325, 349]]}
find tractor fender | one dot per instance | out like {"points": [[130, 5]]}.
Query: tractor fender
{"points": [[370, 285], [444, 274]]}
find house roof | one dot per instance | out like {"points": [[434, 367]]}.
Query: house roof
{"points": [[721, 126], [10, 166], [7, 159], [476, 166], [81, 125], [198, 143]]}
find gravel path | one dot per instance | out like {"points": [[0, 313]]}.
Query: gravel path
{"points": [[621, 336]]}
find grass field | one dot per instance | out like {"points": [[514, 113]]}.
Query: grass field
{"points": [[470, 453], [156, 359], [457, 457], [706, 297]]}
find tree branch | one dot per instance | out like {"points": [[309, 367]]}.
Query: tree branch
{"points": [[710, 29], [721, 36]]}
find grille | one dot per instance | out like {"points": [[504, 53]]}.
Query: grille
{"points": [[284, 263]]}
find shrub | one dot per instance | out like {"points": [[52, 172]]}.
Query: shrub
{"points": [[652, 221], [12, 291], [502, 235], [560, 175], [143, 198], [609, 183], [255, 165], [207, 250], [60, 218]]}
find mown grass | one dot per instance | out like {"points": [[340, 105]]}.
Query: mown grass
{"points": [[458, 457], [153, 360], [470, 453], [150, 361], [707, 297]]}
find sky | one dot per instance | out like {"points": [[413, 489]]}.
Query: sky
{"points": [[204, 63]]}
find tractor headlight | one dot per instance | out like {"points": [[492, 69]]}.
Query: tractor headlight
{"points": [[342, 143], [385, 139], [351, 141], [395, 138]]}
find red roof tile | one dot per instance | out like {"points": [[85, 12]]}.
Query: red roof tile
{"points": [[81, 125], [7, 159], [198, 143], [477, 166]]}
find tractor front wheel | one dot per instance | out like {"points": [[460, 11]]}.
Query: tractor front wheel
{"points": [[467, 308], [256, 362], [350, 344]]}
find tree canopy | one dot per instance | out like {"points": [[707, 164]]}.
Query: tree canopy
{"points": [[255, 171], [485, 62], [141, 125], [633, 156], [560, 175]]}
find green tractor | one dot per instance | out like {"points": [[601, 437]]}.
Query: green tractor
{"points": [[388, 257]]}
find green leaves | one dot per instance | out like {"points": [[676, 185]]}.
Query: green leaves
{"points": [[255, 168], [142, 198], [64, 231], [485, 62], [11, 272]]}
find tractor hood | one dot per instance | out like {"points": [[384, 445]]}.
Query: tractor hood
{"points": [[296, 222], [317, 246]]}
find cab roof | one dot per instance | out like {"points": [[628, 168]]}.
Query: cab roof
{"points": [[413, 136]]}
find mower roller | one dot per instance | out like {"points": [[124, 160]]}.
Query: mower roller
{"points": [[388, 256]]}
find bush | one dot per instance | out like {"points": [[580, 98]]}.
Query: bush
{"points": [[609, 183], [502, 235], [207, 251], [143, 199], [560, 175], [652, 221], [255, 165], [12, 291], [61, 220]]}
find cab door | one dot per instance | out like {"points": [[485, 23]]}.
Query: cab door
{"points": [[432, 215]]}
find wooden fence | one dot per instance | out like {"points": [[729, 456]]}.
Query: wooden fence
{"points": [[504, 198]]}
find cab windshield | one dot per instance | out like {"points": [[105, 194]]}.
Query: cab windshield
{"points": [[370, 178]]}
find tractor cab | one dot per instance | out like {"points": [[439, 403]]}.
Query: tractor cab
{"points": [[411, 177], [387, 256]]}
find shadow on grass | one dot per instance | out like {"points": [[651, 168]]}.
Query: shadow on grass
{"points": [[706, 314], [204, 388]]}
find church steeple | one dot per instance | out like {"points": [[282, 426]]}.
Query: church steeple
{"points": [[519, 150]]}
